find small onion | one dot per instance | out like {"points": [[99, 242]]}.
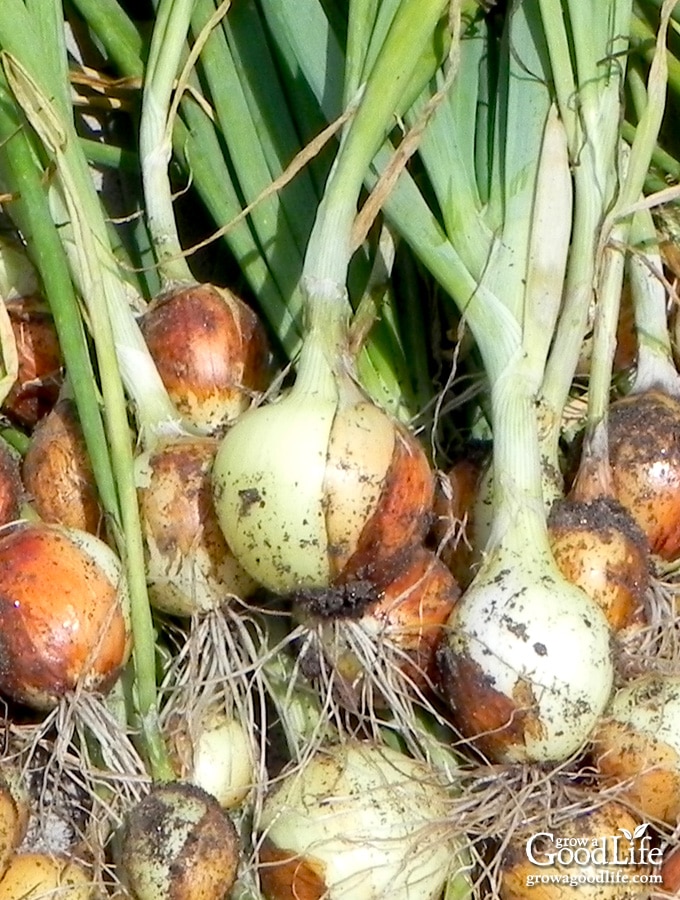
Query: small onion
{"points": [[355, 822], [40, 362], [178, 844], [637, 745], [210, 350], [58, 474], [598, 547], [644, 450], [63, 613], [190, 568], [602, 826], [404, 622], [45, 875]]}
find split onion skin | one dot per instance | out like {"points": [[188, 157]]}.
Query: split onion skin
{"points": [[63, 613], [178, 844], [598, 823], [45, 875], [598, 547], [58, 474], [40, 375], [357, 821], [637, 746], [210, 350], [644, 451], [190, 568], [405, 621]]}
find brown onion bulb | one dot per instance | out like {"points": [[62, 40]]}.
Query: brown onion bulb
{"points": [[58, 474], [211, 352], [190, 568], [63, 613], [45, 875], [533, 866], [178, 844], [637, 746], [644, 452], [404, 621], [40, 361], [598, 547]]}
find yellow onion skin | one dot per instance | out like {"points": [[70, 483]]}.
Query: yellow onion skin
{"points": [[405, 620], [45, 875], [310, 492], [211, 352], [40, 375], [598, 546], [190, 568], [644, 452], [637, 746], [58, 474], [354, 822], [601, 824], [63, 613], [14, 816], [179, 844]]}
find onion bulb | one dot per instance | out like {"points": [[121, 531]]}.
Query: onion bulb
{"points": [[358, 821], [190, 568], [637, 746], [39, 377], [210, 350], [63, 613], [58, 474], [322, 485], [45, 875], [402, 623], [178, 844], [11, 486], [533, 866], [14, 816], [598, 546], [644, 450]]}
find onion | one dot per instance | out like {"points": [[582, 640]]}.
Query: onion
{"points": [[58, 474], [63, 613], [637, 745], [178, 844], [598, 547], [14, 816], [190, 568], [43, 875], [210, 350], [11, 486], [644, 443], [358, 821], [402, 624], [602, 827], [40, 362]]}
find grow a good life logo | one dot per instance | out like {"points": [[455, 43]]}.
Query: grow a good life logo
{"points": [[628, 858]]}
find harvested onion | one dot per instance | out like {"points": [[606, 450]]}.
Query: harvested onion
{"points": [[210, 350], [63, 613], [190, 568], [178, 844], [358, 821], [45, 875]]}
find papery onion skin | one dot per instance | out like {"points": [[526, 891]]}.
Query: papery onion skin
{"points": [[308, 493], [40, 361], [178, 844], [405, 621], [63, 613], [11, 486], [637, 746], [526, 666], [45, 875], [211, 352], [58, 474], [644, 452], [598, 546], [357, 821], [599, 824]]}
